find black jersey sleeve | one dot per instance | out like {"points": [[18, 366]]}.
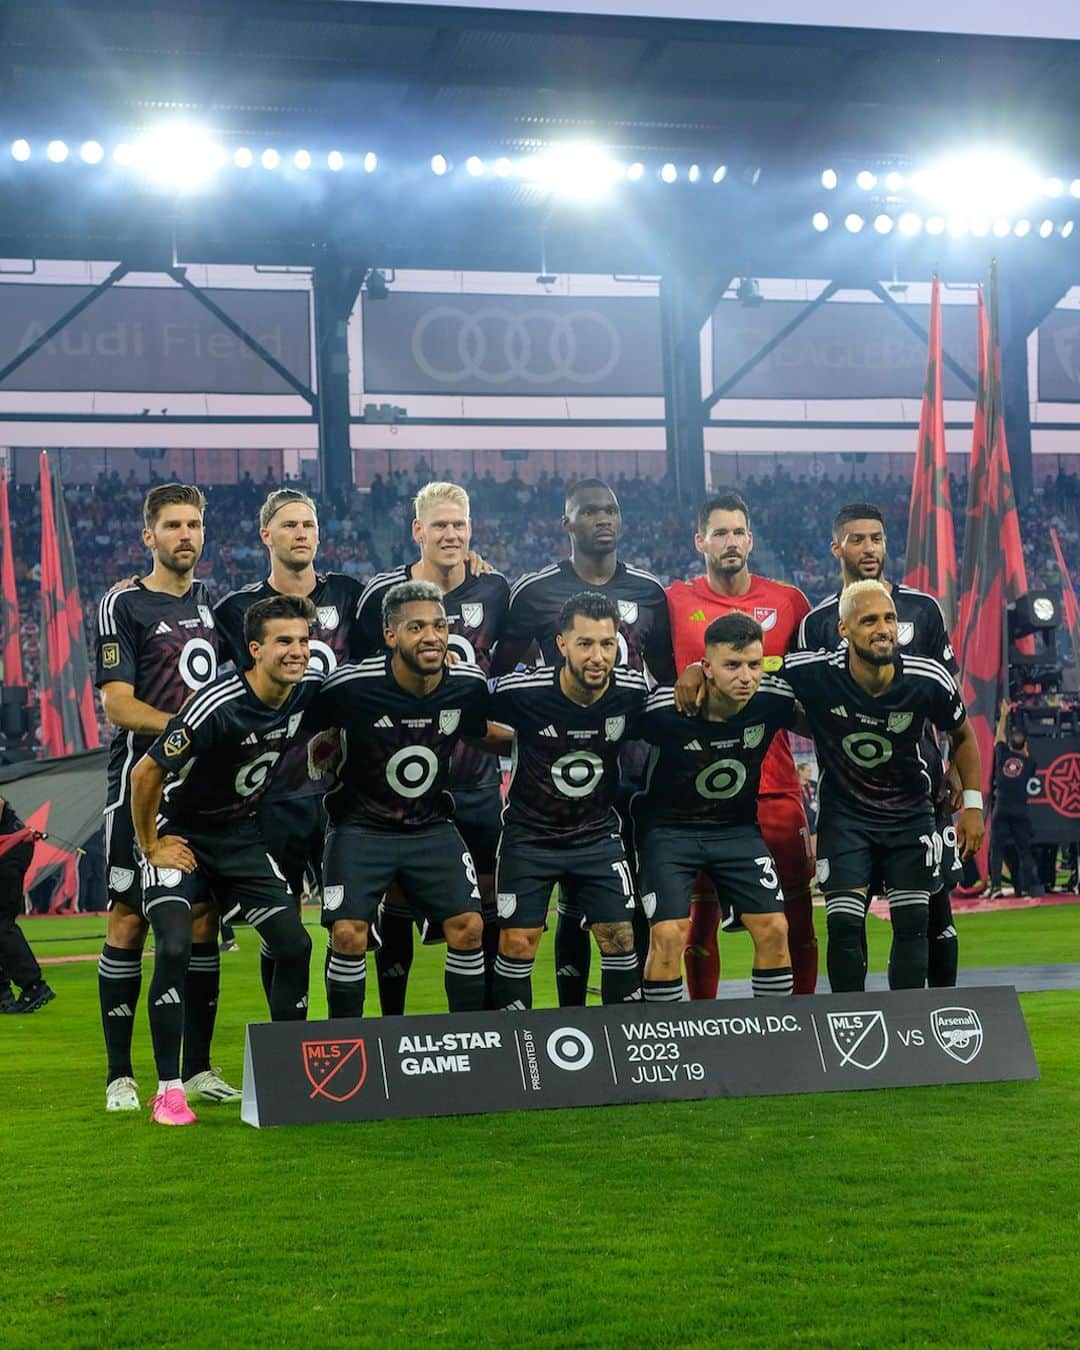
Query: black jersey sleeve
{"points": [[229, 618], [116, 646], [819, 629], [190, 732], [937, 639], [659, 653], [949, 711], [475, 707], [367, 632]]}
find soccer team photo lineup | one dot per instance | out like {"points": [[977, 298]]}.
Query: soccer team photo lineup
{"points": [[440, 757]]}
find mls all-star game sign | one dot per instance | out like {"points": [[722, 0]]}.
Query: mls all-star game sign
{"points": [[309, 1072]]}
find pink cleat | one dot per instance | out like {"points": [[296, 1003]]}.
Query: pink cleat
{"points": [[171, 1108]]}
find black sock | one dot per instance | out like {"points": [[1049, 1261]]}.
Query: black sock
{"points": [[908, 956], [266, 970], [346, 984], [490, 943], [512, 983], [573, 955], [642, 938], [171, 922], [463, 980], [663, 991], [201, 990], [393, 960], [289, 946], [119, 982], [776, 982], [846, 954], [943, 957], [620, 979]]}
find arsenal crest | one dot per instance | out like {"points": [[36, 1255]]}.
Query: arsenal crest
{"points": [[958, 1032], [614, 727], [751, 737], [766, 616], [336, 1070], [328, 616], [904, 633], [206, 614], [628, 611], [899, 721], [862, 1038], [448, 720], [472, 615]]}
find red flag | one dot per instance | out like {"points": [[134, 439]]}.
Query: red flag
{"points": [[1068, 596], [11, 667], [931, 546], [68, 718], [993, 572]]}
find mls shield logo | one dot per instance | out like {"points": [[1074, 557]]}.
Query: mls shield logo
{"points": [[333, 896], [506, 903], [766, 616], [904, 633], [752, 736], [862, 1038], [336, 1070], [207, 615], [899, 721], [328, 616], [614, 728], [120, 878], [628, 611], [472, 616], [958, 1032], [448, 720], [822, 869], [648, 903]]}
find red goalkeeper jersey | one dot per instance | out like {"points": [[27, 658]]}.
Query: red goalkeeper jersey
{"points": [[778, 607]]}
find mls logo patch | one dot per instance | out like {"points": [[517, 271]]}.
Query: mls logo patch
{"points": [[628, 611], [899, 721], [958, 1032], [448, 720], [904, 633], [336, 1070], [614, 727], [752, 736], [328, 616], [766, 616], [333, 896], [472, 616], [120, 878], [505, 904], [862, 1038], [207, 615], [110, 655], [176, 742], [648, 903], [822, 869]]}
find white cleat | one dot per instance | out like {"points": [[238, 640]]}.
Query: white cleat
{"points": [[209, 1086], [122, 1094]]}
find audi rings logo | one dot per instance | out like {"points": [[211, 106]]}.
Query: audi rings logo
{"points": [[569, 1049], [497, 346]]}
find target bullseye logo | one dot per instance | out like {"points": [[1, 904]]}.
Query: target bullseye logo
{"points": [[198, 663], [867, 749], [577, 773], [411, 770], [723, 778], [569, 1049]]}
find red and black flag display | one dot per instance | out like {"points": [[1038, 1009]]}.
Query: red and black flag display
{"points": [[931, 545], [68, 719], [1068, 596], [11, 666], [993, 572]]}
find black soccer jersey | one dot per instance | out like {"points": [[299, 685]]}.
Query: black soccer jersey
{"points": [[475, 611], [868, 749], [704, 774], [222, 749], [396, 747], [920, 626], [644, 630], [166, 647], [565, 757], [333, 640]]}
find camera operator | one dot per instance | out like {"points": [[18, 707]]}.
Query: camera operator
{"points": [[1010, 825]]}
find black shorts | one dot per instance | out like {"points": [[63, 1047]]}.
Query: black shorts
{"points": [[121, 857], [432, 866], [233, 870], [295, 831], [596, 881], [952, 869], [854, 854], [478, 817], [735, 858]]}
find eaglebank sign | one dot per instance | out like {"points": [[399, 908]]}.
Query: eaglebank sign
{"points": [[307, 1072]]}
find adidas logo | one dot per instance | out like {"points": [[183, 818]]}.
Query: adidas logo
{"points": [[549, 731], [384, 721], [698, 616], [395, 972], [253, 739], [121, 1010], [692, 745], [302, 1003], [163, 628], [839, 710], [169, 996]]}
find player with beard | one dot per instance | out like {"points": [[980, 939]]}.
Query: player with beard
{"points": [[593, 521], [725, 541], [560, 825], [867, 705], [156, 644], [859, 545], [401, 716], [475, 605], [291, 813], [194, 797]]}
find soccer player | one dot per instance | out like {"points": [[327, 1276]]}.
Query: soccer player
{"points": [[698, 812], [859, 545], [866, 706], [199, 836], [156, 645], [593, 521], [475, 606], [560, 824], [725, 541], [1015, 775], [401, 716]]}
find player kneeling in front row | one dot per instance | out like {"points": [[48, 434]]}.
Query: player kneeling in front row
{"points": [[866, 706], [560, 824], [220, 751], [698, 812]]}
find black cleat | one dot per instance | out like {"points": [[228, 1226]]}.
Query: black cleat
{"points": [[7, 999], [33, 998]]}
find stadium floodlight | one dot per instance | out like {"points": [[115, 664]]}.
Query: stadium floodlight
{"points": [[820, 221], [883, 223], [577, 171], [910, 223], [853, 222], [669, 173], [439, 165], [1046, 229], [1052, 187], [694, 173], [91, 152], [302, 160], [829, 179], [983, 182], [719, 173], [371, 162], [635, 171], [1074, 187], [1002, 227], [20, 150], [957, 226], [177, 156], [242, 157], [894, 181], [57, 151], [124, 154], [980, 227], [270, 158], [866, 180], [1022, 228], [935, 225], [335, 161], [503, 167], [474, 166], [1067, 228]]}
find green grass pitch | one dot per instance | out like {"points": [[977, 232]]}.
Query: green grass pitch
{"points": [[932, 1216]]}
